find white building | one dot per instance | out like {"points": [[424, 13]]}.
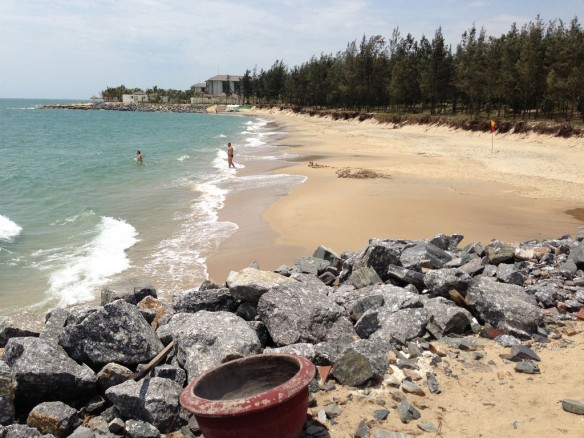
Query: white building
{"points": [[221, 84], [136, 97]]}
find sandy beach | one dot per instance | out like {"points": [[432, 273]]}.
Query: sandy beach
{"points": [[432, 180], [480, 398]]}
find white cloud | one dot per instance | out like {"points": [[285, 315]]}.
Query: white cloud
{"points": [[75, 48]]}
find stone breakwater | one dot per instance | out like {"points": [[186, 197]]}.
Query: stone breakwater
{"points": [[381, 317], [138, 107]]}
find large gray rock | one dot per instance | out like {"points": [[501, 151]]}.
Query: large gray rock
{"points": [[577, 255], [19, 326], [7, 391], [78, 314], [498, 252], [116, 333], [360, 306], [414, 256], [141, 429], [508, 273], [55, 320], [326, 353], [295, 313], [132, 291], [386, 295], [547, 294], [473, 267], [437, 256], [360, 362], [440, 281], [175, 325], [212, 300], [446, 318], [379, 255], [161, 309], [112, 374], [154, 400], [21, 431], [56, 418], [250, 284], [171, 372], [311, 265], [346, 294], [533, 250], [83, 432], [447, 243], [322, 252], [398, 326], [304, 350], [207, 339], [312, 280], [363, 277], [43, 371], [505, 306], [406, 276]]}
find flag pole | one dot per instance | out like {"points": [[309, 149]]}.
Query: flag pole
{"points": [[492, 135]]}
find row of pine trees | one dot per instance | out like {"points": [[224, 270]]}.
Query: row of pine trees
{"points": [[533, 72]]}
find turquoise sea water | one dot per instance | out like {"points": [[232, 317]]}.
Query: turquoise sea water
{"points": [[78, 211]]}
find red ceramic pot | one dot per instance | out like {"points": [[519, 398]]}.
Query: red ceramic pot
{"points": [[264, 395]]}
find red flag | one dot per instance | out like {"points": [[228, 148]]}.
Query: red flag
{"points": [[492, 126]]}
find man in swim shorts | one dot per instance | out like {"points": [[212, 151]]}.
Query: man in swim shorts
{"points": [[230, 156]]}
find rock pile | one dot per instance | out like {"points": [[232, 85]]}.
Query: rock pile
{"points": [[151, 107], [383, 316], [138, 107]]}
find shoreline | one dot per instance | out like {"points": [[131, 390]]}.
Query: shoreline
{"points": [[254, 240], [437, 181]]}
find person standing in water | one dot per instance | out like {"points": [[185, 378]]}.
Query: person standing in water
{"points": [[139, 157], [230, 156]]}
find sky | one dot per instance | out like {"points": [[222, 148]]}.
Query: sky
{"points": [[74, 49]]}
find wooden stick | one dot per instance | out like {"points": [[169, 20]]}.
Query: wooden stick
{"points": [[153, 362]]}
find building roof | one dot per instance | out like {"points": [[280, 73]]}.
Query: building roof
{"points": [[200, 85], [224, 78]]}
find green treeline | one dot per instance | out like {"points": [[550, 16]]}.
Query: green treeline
{"points": [[155, 94], [535, 71]]}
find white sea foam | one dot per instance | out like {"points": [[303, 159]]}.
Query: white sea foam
{"points": [[256, 124], [254, 142], [91, 265], [8, 229], [181, 258], [220, 136], [183, 158], [279, 157]]}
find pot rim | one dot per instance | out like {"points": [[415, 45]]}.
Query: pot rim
{"points": [[264, 400]]}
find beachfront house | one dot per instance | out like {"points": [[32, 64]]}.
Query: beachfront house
{"points": [[199, 87], [222, 89], [136, 97]]}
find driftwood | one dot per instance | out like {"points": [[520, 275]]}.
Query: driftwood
{"points": [[146, 369]]}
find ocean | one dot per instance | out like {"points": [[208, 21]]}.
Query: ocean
{"points": [[77, 211]]}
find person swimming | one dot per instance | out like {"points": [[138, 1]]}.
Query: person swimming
{"points": [[139, 157]]}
